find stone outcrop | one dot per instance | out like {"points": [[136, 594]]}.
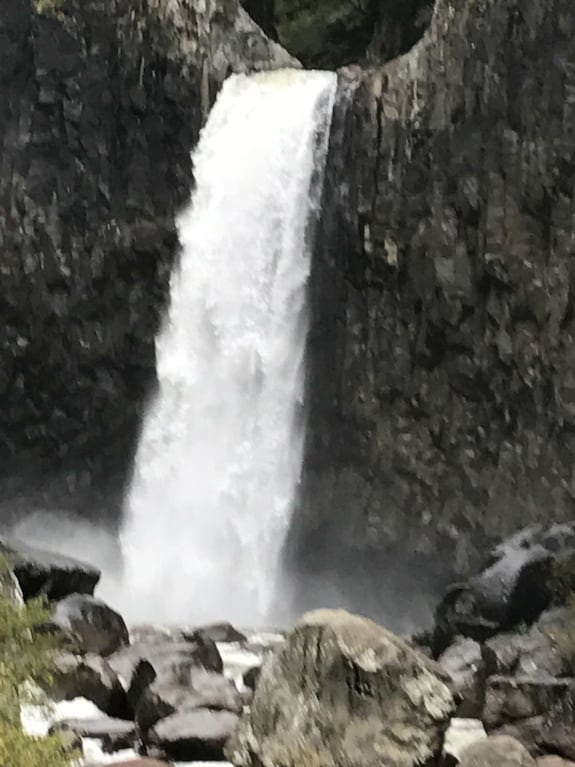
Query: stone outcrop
{"points": [[100, 105], [441, 393], [343, 691], [45, 573]]}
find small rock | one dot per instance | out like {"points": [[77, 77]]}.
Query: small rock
{"points": [[194, 735], [89, 677], [496, 752], [464, 663], [217, 632], [93, 626], [114, 734]]}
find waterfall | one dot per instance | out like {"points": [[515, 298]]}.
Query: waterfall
{"points": [[219, 458]]}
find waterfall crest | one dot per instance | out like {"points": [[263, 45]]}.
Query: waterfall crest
{"points": [[220, 453]]}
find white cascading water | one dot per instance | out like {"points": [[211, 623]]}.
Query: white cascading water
{"points": [[220, 454]]}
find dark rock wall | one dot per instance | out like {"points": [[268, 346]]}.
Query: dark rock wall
{"points": [[101, 102], [442, 354]]}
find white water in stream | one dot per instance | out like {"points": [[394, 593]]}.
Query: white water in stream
{"points": [[220, 455]]}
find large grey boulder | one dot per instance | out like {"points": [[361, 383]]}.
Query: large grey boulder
{"points": [[344, 692], [91, 624]]}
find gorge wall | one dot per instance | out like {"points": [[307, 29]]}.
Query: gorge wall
{"points": [[442, 381], [441, 390], [101, 102]]}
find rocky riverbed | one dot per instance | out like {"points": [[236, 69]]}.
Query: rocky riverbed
{"points": [[492, 682]]}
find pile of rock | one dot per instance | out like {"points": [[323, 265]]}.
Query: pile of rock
{"points": [[493, 685], [157, 692], [506, 637]]}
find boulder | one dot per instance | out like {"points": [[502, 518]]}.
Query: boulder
{"points": [[42, 572], [515, 587], [198, 735], [217, 632], [91, 624], [89, 677], [508, 699], [200, 689], [551, 732], [463, 662], [558, 626], [500, 751], [343, 690], [169, 657], [114, 734], [523, 576], [532, 653], [554, 761]]}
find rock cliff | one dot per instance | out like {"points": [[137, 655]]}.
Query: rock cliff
{"points": [[101, 102], [442, 355]]}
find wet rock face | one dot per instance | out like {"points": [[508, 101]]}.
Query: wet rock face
{"points": [[100, 105], [441, 349]]}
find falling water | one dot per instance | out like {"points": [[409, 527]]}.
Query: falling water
{"points": [[220, 455]]}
